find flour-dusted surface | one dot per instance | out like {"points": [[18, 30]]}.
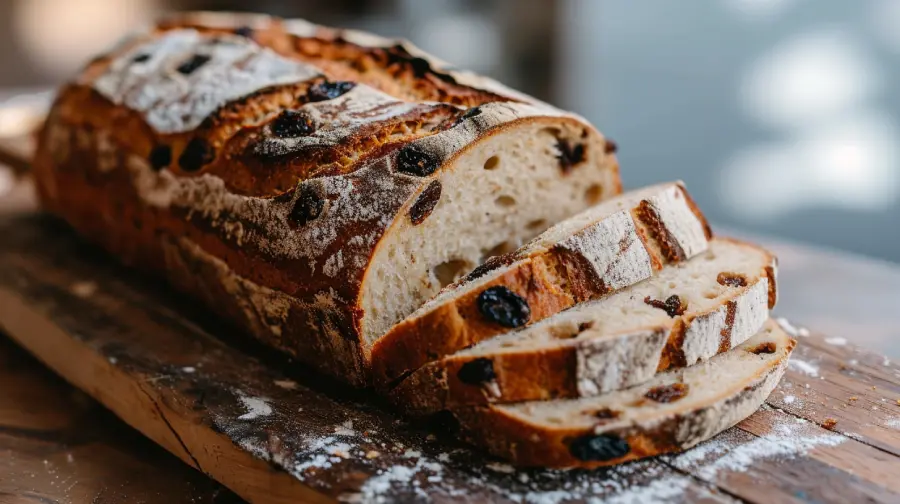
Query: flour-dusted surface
{"points": [[152, 78]]}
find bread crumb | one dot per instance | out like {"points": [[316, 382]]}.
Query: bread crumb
{"points": [[854, 398], [83, 289], [829, 423], [372, 454]]}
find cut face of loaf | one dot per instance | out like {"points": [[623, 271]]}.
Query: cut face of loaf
{"points": [[313, 185], [688, 312], [606, 248], [672, 412]]}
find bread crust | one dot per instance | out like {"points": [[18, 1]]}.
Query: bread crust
{"points": [[511, 437], [607, 255], [149, 163], [565, 370]]}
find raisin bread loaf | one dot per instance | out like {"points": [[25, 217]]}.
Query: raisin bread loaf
{"points": [[605, 248], [313, 185], [673, 411], [687, 313]]}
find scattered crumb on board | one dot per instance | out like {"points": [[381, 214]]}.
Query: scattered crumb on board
{"points": [[83, 289]]}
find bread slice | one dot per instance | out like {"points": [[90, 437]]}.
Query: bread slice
{"points": [[605, 248], [312, 185], [673, 411], [721, 298]]}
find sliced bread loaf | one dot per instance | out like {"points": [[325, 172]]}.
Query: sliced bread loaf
{"points": [[312, 185], [606, 248], [688, 312], [673, 411]]}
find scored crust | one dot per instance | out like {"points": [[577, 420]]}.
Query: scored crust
{"points": [[674, 411], [604, 249], [609, 344], [292, 160]]}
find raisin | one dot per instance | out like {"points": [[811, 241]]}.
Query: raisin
{"points": [[764, 348], [415, 161], [160, 157], [667, 393], [308, 206], [328, 90], [190, 66], [426, 202], [600, 447], [244, 31], [477, 371], [195, 155], [731, 279], [292, 124], [140, 58], [611, 146], [584, 326], [569, 156], [420, 67], [672, 306], [503, 306]]}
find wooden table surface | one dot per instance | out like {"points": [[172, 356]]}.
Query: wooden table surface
{"points": [[58, 445]]}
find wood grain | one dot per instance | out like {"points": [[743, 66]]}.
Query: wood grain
{"points": [[58, 446]]}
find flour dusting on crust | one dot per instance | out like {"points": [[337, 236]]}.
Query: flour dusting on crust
{"points": [[181, 77]]}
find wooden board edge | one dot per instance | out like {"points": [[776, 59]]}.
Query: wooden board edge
{"points": [[213, 454]]}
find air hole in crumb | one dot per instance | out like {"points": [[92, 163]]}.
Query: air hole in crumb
{"points": [[498, 249], [536, 224], [492, 163], [593, 193], [555, 132], [448, 272], [672, 285], [562, 333], [710, 295], [505, 201], [768, 347], [554, 420], [507, 344]]}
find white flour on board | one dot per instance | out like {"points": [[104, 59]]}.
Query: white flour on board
{"points": [[256, 407], [804, 367]]}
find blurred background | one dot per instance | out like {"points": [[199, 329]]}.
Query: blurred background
{"points": [[783, 116]]}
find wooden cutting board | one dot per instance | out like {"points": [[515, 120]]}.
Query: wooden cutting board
{"points": [[273, 432]]}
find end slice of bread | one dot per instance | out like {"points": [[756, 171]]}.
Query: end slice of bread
{"points": [[688, 312], [674, 411], [602, 250]]}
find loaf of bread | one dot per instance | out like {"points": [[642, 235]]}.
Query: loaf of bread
{"points": [[673, 411], [687, 313], [606, 248], [314, 186]]}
